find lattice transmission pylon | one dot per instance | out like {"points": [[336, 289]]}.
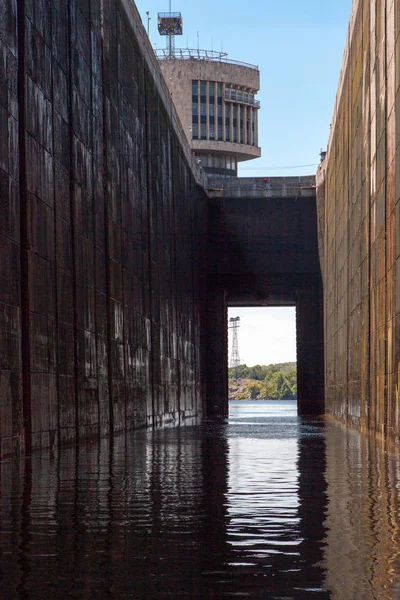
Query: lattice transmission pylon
{"points": [[234, 324]]}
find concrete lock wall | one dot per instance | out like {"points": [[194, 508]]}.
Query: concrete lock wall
{"points": [[101, 231], [359, 210]]}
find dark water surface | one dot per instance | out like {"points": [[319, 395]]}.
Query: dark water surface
{"points": [[266, 506]]}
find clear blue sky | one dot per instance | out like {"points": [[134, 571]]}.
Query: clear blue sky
{"points": [[298, 47]]}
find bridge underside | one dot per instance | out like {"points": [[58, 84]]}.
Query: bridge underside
{"points": [[265, 253]]}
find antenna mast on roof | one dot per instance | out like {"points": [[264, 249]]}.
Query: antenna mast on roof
{"points": [[170, 25], [234, 324]]}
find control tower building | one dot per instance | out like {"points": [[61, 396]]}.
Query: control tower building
{"points": [[215, 98]]}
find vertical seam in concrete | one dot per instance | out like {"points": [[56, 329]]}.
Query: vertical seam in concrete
{"points": [[149, 245], [226, 352], [385, 393], [121, 224], [192, 343], [56, 324], [349, 250], [72, 217], [368, 399], [24, 264], [175, 282], [369, 196], [106, 226], [334, 290], [203, 304], [297, 345], [194, 251], [95, 315]]}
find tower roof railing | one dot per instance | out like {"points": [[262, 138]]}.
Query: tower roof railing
{"points": [[197, 54], [170, 15]]}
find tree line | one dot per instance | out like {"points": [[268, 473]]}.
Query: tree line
{"points": [[273, 382]]}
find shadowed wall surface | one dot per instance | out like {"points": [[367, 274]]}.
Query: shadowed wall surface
{"points": [[358, 205], [101, 230]]}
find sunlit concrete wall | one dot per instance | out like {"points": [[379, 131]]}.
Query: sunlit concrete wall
{"points": [[101, 230], [358, 194]]}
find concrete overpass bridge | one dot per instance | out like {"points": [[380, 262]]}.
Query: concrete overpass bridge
{"points": [[263, 251]]}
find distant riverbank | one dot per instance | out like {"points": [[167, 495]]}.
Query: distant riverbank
{"points": [[263, 382]]}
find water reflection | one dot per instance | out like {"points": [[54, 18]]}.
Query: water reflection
{"points": [[363, 542], [266, 506], [276, 500]]}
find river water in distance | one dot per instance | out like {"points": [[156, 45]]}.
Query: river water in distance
{"points": [[267, 506]]}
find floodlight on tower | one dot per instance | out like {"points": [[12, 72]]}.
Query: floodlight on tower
{"points": [[170, 24]]}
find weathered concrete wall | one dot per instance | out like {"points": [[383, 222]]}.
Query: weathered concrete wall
{"points": [[359, 190], [101, 231]]}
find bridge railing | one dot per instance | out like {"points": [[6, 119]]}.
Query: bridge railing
{"points": [[261, 187]]}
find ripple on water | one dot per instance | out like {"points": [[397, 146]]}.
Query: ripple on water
{"points": [[266, 506]]}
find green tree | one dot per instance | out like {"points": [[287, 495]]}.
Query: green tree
{"points": [[275, 382], [254, 391], [279, 385]]}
